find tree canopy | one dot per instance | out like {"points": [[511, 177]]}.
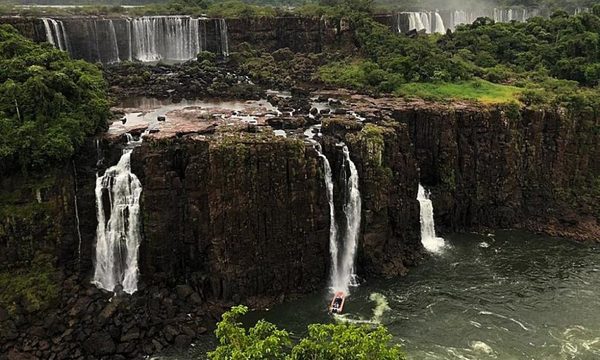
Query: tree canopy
{"points": [[265, 341], [554, 59], [48, 103]]}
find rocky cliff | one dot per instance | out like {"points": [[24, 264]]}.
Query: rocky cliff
{"points": [[502, 166], [239, 214]]}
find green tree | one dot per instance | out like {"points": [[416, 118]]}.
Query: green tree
{"points": [[265, 341], [48, 103]]}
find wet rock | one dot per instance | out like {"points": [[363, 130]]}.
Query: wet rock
{"points": [[110, 309], [14, 354], [184, 291], [183, 341], [99, 343], [195, 299], [131, 335], [170, 333], [3, 314], [80, 306]]}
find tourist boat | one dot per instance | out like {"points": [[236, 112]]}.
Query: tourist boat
{"points": [[337, 304]]}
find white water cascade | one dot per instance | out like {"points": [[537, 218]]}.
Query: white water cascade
{"points": [[118, 238], [439, 24], [430, 241], [343, 253], [166, 37], [427, 21], [352, 210], [146, 38], [224, 37], [56, 34], [333, 230]]}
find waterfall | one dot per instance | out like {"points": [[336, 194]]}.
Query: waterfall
{"points": [[439, 24], [352, 211], [146, 38], [144, 34], [342, 269], [430, 241], [418, 21], [129, 40], [426, 20], [56, 34], [113, 41], [118, 239], [333, 249]]}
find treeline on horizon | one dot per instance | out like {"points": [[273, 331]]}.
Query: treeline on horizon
{"points": [[392, 4]]}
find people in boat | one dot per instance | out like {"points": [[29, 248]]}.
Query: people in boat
{"points": [[337, 303]]}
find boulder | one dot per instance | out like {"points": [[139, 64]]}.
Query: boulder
{"points": [[100, 344]]}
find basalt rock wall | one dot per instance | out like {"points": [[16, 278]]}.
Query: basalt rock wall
{"points": [[388, 174], [245, 218], [500, 167]]}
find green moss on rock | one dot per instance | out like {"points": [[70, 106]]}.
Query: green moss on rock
{"points": [[35, 288]]}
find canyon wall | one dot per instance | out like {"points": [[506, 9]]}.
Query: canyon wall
{"points": [[110, 39], [177, 38], [500, 167], [239, 218], [248, 217]]}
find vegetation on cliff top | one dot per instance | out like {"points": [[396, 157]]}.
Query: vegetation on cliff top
{"points": [[554, 60], [48, 103], [324, 341]]}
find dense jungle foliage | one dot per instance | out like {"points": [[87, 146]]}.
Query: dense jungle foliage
{"points": [[48, 103], [323, 342], [554, 60]]}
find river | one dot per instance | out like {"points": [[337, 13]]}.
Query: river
{"points": [[507, 295]]}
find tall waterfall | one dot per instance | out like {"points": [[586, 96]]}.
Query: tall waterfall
{"points": [[56, 34], [343, 253], [430, 241], [333, 230], [118, 238], [146, 39], [352, 210]]}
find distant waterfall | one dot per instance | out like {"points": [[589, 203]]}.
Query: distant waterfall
{"points": [[166, 37], [342, 268], [430, 241], [427, 21], [224, 37], [439, 24], [440, 21], [55, 33], [118, 238], [146, 38]]}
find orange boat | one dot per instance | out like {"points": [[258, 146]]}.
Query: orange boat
{"points": [[337, 304]]}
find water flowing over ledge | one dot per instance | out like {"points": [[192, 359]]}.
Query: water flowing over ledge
{"points": [[342, 269], [147, 39], [430, 241], [118, 239], [440, 21]]}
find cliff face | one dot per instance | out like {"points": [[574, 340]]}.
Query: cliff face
{"points": [[501, 168], [388, 176], [248, 217], [114, 39], [243, 217]]}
